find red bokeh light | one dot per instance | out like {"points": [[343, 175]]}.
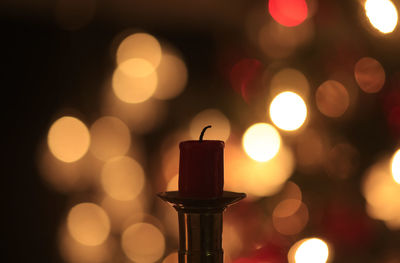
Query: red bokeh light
{"points": [[288, 12]]}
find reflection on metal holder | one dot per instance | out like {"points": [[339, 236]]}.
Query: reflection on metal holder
{"points": [[200, 225]]}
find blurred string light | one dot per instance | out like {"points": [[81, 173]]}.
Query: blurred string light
{"points": [[88, 224], [172, 76], [171, 258], [141, 117], [221, 127], [289, 79], [369, 75], [332, 98], [134, 80], [75, 252], [395, 165], [310, 250], [120, 211], [382, 15], [290, 216], [143, 242], [261, 142], [257, 178], [288, 12], [288, 111], [68, 139], [110, 138], [74, 14], [139, 46], [122, 178], [382, 194]]}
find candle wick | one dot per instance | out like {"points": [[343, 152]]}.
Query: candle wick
{"points": [[203, 131]]}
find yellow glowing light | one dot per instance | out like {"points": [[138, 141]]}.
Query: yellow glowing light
{"points": [[122, 178], [221, 127], [290, 216], [290, 79], [110, 138], [143, 242], [261, 142], [134, 80], [288, 111], [68, 139], [88, 224], [139, 45], [313, 250], [172, 77], [382, 14], [395, 165]]}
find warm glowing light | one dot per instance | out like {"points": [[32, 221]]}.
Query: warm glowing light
{"points": [[171, 258], [88, 224], [290, 216], [173, 183], [122, 178], [172, 76], [289, 79], [288, 111], [382, 14], [68, 139], [395, 165], [110, 138], [134, 80], [313, 250], [262, 178], [332, 98], [143, 242], [382, 194], [261, 142], [220, 129], [288, 12], [369, 75], [139, 45]]}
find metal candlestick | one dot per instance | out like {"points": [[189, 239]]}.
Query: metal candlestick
{"points": [[200, 225]]}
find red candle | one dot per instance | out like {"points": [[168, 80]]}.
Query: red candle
{"points": [[201, 168]]}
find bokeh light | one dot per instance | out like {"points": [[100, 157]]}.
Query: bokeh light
{"points": [[255, 178], [141, 117], [74, 252], [261, 142], [122, 178], [143, 242], [220, 129], [312, 250], [288, 111], [289, 79], [332, 98], [288, 12], [382, 194], [369, 75], [395, 165], [290, 216], [74, 14], [141, 46], [110, 138], [171, 258], [88, 224], [172, 76], [382, 14], [134, 80], [68, 139]]}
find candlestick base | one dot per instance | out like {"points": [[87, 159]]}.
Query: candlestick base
{"points": [[200, 225]]}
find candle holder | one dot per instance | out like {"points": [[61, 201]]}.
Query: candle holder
{"points": [[200, 225]]}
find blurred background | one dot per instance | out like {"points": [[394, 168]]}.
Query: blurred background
{"points": [[98, 94]]}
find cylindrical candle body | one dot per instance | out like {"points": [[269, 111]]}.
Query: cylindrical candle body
{"points": [[201, 169]]}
